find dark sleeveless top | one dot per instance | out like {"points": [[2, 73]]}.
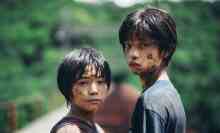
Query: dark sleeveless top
{"points": [[84, 126]]}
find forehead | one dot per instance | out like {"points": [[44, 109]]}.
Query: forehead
{"points": [[91, 71], [140, 39]]}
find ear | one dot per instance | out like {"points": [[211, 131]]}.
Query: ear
{"points": [[72, 93], [164, 54]]}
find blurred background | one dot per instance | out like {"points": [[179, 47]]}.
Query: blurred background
{"points": [[36, 34]]}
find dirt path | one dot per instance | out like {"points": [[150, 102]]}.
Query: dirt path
{"points": [[45, 123]]}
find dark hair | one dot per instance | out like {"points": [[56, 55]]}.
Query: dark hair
{"points": [[73, 66], [154, 23]]}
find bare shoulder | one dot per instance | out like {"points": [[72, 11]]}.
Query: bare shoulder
{"points": [[99, 129], [69, 129]]}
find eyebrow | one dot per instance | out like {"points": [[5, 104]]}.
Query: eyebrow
{"points": [[88, 77], [141, 42]]}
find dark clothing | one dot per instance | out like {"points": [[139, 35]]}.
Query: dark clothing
{"points": [[83, 125], [159, 110]]}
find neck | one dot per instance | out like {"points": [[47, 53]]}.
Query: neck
{"points": [[163, 76], [148, 80], [84, 115]]}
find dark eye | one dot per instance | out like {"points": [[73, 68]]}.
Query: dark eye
{"points": [[82, 82], [150, 56], [127, 46], [100, 82], [145, 45]]}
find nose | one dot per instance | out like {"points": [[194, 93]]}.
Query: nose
{"points": [[133, 54], [93, 89]]}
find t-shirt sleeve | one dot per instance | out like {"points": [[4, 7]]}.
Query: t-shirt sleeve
{"points": [[146, 119], [152, 122]]}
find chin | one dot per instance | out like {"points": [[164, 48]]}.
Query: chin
{"points": [[92, 109]]}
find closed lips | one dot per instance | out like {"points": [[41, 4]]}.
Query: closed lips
{"points": [[94, 100], [134, 64]]}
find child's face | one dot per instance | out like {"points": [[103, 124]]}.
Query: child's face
{"points": [[90, 91], [143, 56]]}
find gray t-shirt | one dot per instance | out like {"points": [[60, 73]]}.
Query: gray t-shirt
{"points": [[159, 110]]}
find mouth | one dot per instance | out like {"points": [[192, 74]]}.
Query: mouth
{"points": [[134, 65], [95, 101]]}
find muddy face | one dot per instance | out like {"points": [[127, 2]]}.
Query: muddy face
{"points": [[90, 91], [143, 56]]}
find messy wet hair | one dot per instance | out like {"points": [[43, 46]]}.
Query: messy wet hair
{"points": [[73, 66], [152, 23]]}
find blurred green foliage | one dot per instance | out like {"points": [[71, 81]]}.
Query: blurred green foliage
{"points": [[29, 58], [30, 110]]}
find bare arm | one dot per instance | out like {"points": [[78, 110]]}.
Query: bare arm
{"points": [[69, 129], [100, 129]]}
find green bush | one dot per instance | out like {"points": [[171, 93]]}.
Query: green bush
{"points": [[4, 123], [27, 109]]}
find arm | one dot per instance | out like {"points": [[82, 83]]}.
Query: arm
{"points": [[152, 122], [145, 120], [69, 129]]}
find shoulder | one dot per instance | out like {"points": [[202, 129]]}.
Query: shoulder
{"points": [[66, 125], [99, 128], [158, 97], [160, 93], [69, 129]]}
